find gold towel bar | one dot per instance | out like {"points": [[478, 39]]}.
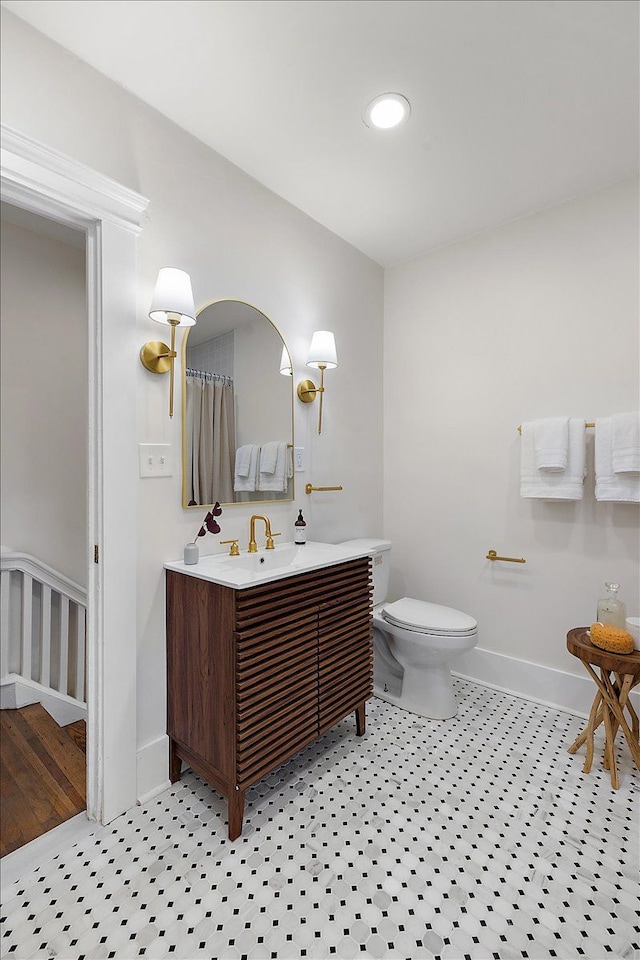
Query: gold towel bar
{"points": [[492, 555], [586, 425], [309, 488]]}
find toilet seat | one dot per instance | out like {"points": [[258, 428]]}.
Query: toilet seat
{"points": [[429, 618]]}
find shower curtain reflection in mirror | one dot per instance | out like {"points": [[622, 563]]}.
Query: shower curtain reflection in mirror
{"points": [[211, 438]]}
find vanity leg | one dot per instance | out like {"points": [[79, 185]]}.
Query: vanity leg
{"points": [[361, 723], [235, 811], [175, 762]]}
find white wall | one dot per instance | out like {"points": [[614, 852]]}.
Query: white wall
{"points": [[237, 240], [538, 318], [44, 400]]}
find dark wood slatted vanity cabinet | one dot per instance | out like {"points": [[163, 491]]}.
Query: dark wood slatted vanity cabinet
{"points": [[255, 674]]}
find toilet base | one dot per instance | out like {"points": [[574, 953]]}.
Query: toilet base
{"points": [[432, 700], [429, 692]]}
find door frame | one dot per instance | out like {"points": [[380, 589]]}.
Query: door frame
{"points": [[49, 184]]}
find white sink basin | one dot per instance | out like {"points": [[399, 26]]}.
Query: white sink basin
{"points": [[250, 569], [284, 555]]}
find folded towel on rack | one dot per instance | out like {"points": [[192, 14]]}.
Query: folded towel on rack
{"points": [[246, 468], [276, 477], [243, 459], [551, 444], [616, 487], [540, 485], [269, 456], [625, 443]]}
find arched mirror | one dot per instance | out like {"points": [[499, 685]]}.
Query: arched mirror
{"points": [[237, 408]]}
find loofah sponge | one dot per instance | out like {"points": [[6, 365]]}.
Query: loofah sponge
{"points": [[611, 638]]}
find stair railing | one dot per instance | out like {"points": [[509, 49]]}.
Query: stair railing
{"points": [[42, 626]]}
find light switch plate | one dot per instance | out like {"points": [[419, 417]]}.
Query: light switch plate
{"points": [[298, 459], [155, 459]]}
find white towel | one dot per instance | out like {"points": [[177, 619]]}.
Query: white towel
{"points": [[275, 479], [246, 468], [269, 456], [551, 444], [536, 484], [243, 460], [618, 487], [625, 443]]}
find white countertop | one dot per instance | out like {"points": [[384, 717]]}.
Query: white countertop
{"points": [[252, 569]]}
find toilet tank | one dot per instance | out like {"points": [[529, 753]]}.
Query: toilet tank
{"points": [[380, 551]]}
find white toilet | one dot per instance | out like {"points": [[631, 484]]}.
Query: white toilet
{"points": [[414, 643]]}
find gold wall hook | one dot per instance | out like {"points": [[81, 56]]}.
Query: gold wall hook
{"points": [[492, 555]]}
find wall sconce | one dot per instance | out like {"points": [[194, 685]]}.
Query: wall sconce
{"points": [[322, 356], [285, 364], [173, 304]]}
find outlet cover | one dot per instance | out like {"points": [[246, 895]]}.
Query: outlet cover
{"points": [[155, 459], [298, 459]]}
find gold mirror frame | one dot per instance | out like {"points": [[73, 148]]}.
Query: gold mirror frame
{"points": [[234, 503]]}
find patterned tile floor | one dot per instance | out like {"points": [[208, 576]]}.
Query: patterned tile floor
{"points": [[475, 837]]}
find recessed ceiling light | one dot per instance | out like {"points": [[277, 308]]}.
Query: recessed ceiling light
{"points": [[387, 111]]}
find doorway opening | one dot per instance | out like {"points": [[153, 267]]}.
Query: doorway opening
{"points": [[43, 525]]}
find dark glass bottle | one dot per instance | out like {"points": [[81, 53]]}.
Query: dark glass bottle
{"points": [[300, 529]]}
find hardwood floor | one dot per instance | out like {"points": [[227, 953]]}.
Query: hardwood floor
{"points": [[42, 774]]}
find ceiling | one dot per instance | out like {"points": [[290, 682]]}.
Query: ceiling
{"points": [[516, 104]]}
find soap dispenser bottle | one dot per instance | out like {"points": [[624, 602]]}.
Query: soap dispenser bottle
{"points": [[300, 529], [611, 610]]}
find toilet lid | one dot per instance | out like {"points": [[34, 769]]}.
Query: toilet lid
{"points": [[429, 618]]}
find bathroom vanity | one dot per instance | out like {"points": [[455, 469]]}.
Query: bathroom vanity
{"points": [[265, 652]]}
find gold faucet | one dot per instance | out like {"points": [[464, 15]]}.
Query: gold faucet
{"points": [[253, 546]]}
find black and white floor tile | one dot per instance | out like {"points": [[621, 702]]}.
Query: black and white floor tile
{"points": [[476, 837]]}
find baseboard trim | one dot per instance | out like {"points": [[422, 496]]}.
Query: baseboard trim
{"points": [[531, 681], [153, 769]]}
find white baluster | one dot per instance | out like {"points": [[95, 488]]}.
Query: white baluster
{"points": [[64, 645], [45, 637], [27, 618], [5, 587], [80, 648]]}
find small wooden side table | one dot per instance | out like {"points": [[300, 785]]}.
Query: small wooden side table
{"points": [[619, 674]]}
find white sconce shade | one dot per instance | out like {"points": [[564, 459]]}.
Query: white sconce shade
{"points": [[322, 352], [285, 364], [173, 295]]}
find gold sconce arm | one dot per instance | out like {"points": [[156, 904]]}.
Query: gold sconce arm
{"points": [[492, 555], [307, 392], [157, 357], [311, 489]]}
